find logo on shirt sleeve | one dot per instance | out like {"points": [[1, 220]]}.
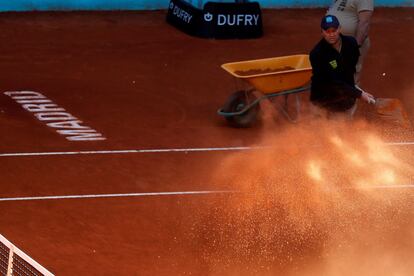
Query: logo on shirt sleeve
{"points": [[333, 64]]}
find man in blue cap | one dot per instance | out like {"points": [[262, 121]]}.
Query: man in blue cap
{"points": [[355, 18], [334, 61]]}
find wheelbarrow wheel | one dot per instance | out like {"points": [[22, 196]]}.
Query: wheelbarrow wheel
{"points": [[237, 102]]}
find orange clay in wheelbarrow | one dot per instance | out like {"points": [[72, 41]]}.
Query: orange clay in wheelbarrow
{"points": [[272, 76]]}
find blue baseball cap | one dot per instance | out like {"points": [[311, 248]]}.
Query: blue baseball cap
{"points": [[329, 21]]}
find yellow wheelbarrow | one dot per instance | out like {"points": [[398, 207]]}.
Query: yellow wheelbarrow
{"points": [[271, 77]]}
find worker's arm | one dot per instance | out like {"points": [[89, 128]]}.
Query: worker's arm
{"points": [[369, 98], [364, 20]]}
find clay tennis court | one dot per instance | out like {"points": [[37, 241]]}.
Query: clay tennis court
{"points": [[152, 92]]}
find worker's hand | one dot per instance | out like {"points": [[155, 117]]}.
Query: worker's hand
{"points": [[367, 97]]}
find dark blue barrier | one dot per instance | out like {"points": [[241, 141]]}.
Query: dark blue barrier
{"points": [[217, 20], [184, 16]]}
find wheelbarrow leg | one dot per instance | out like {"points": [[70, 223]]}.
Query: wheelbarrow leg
{"points": [[298, 106], [284, 108]]}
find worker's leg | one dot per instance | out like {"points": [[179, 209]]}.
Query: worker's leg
{"points": [[363, 52]]}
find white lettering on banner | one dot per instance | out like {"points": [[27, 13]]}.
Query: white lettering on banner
{"points": [[208, 17], [54, 116], [248, 19], [240, 18], [256, 19], [237, 19], [221, 20], [182, 14]]}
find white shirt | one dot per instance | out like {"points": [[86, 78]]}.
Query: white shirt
{"points": [[347, 13]]}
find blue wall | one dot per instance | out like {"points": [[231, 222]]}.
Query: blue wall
{"points": [[32, 5], [325, 3]]}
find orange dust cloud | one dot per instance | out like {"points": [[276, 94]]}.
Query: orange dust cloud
{"points": [[321, 197], [407, 97]]}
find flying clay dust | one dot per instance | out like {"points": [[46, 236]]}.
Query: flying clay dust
{"points": [[326, 198]]}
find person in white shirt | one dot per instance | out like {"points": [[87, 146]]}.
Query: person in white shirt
{"points": [[355, 18]]}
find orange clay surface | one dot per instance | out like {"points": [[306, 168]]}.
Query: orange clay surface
{"points": [[309, 204]]}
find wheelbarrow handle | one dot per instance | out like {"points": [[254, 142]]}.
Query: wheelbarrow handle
{"points": [[262, 97], [245, 109]]}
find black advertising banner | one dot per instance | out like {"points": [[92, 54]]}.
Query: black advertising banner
{"points": [[184, 16], [217, 20], [232, 20]]}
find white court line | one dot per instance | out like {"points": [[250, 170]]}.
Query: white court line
{"points": [[33, 198], [185, 150], [18, 154], [399, 143], [402, 186], [113, 195]]}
